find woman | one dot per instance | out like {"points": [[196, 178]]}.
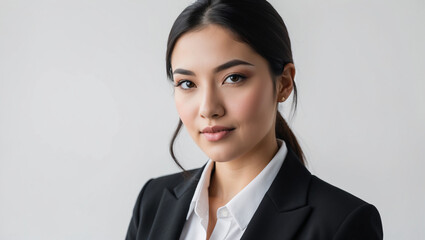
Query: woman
{"points": [[231, 65]]}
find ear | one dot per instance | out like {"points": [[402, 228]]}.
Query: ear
{"points": [[285, 82]]}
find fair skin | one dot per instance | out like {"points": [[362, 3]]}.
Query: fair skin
{"points": [[238, 96]]}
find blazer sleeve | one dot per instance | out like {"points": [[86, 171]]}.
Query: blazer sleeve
{"points": [[135, 219], [363, 223]]}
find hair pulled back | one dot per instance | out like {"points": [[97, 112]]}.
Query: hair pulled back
{"points": [[254, 22]]}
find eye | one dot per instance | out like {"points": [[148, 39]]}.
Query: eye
{"points": [[234, 78], [185, 84]]}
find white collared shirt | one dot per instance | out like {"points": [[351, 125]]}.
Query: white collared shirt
{"points": [[232, 218]]}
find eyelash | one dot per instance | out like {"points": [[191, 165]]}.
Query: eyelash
{"points": [[239, 76], [179, 83]]}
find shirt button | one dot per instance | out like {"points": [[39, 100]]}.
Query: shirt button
{"points": [[224, 213]]}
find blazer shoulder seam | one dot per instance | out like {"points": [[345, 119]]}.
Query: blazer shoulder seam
{"points": [[355, 210]]}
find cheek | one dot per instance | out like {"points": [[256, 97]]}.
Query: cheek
{"points": [[255, 103], [186, 109]]}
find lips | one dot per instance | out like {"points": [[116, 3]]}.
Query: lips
{"points": [[216, 133], [215, 129]]}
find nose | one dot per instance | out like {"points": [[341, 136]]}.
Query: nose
{"points": [[211, 106]]}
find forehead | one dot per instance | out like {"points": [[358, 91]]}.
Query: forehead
{"points": [[208, 47]]}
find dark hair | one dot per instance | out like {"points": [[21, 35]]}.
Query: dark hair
{"points": [[256, 23]]}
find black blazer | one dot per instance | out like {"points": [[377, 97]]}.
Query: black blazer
{"points": [[297, 205]]}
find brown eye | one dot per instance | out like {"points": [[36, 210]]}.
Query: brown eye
{"points": [[185, 84], [234, 78]]}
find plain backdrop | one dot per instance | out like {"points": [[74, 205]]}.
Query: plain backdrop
{"points": [[86, 111]]}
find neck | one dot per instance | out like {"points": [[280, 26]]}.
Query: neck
{"points": [[229, 178]]}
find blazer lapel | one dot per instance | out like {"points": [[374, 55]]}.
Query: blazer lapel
{"points": [[172, 209], [284, 208]]}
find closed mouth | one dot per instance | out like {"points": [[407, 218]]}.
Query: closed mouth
{"points": [[215, 129]]}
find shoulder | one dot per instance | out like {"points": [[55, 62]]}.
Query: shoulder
{"points": [[342, 213], [175, 183], [149, 198], [155, 186], [324, 194]]}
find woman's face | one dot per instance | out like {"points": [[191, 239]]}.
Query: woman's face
{"points": [[224, 93]]}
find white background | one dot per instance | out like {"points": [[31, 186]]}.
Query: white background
{"points": [[86, 111]]}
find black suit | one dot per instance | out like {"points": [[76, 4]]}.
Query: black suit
{"points": [[298, 205]]}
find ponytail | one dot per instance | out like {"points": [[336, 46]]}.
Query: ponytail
{"points": [[285, 133]]}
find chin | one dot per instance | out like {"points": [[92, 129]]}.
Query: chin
{"points": [[222, 156], [220, 151]]}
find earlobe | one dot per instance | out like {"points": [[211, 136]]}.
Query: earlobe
{"points": [[285, 82]]}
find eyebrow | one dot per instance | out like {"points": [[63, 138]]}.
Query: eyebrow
{"points": [[220, 68]]}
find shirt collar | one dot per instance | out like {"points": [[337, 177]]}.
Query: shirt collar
{"points": [[243, 206], [200, 197], [245, 203]]}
